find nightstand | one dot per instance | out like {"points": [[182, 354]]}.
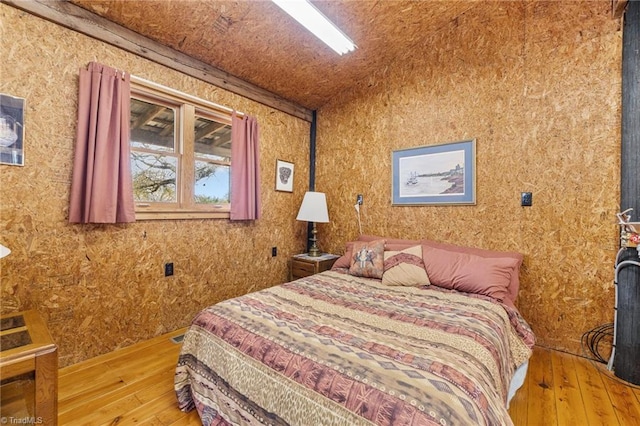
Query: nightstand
{"points": [[29, 369], [303, 265]]}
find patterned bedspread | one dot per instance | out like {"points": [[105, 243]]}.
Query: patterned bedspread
{"points": [[334, 349]]}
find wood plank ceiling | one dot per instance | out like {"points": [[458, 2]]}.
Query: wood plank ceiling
{"points": [[258, 43]]}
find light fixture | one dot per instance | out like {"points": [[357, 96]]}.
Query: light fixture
{"points": [[313, 20], [4, 251], [314, 209]]}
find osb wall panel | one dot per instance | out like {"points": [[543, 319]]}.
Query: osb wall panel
{"points": [[537, 84], [101, 287]]}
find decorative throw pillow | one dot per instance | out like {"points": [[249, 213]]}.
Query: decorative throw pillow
{"points": [[367, 259], [405, 267]]}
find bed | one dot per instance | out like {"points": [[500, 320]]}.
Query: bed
{"points": [[339, 348]]}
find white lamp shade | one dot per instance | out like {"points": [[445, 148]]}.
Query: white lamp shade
{"points": [[314, 208], [4, 251]]}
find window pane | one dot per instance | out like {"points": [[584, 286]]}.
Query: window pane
{"points": [[212, 183], [152, 126], [154, 177], [212, 139]]}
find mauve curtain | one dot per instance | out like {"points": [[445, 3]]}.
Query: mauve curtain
{"points": [[101, 187], [245, 168]]}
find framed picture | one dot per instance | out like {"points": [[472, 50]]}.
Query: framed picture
{"points": [[434, 174], [11, 130], [284, 176]]}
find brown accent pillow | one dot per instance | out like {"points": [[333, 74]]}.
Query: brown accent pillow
{"points": [[367, 259], [470, 273], [405, 267]]}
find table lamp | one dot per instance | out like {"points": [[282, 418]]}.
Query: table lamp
{"points": [[314, 209]]}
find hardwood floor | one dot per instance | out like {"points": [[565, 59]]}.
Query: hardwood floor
{"points": [[563, 389], [134, 385]]}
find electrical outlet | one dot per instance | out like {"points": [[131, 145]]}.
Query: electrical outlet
{"points": [[359, 199], [274, 251], [526, 199], [168, 269]]}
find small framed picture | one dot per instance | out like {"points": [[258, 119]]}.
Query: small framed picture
{"points": [[284, 176], [434, 174], [11, 130]]}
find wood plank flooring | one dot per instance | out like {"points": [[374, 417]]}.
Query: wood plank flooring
{"points": [[134, 385]]}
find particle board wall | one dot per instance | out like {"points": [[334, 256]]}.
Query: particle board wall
{"points": [[101, 287], [538, 85]]}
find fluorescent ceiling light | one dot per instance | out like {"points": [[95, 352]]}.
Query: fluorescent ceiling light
{"points": [[313, 20]]}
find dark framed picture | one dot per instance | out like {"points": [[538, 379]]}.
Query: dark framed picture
{"points": [[11, 130], [434, 174], [284, 176]]}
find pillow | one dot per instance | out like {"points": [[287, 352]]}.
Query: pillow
{"points": [[405, 267], [470, 273], [514, 283], [344, 261], [391, 243], [401, 244], [367, 259]]}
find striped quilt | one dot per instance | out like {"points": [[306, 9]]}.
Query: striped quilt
{"points": [[334, 349]]}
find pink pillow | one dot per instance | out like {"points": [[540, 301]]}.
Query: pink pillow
{"points": [[470, 273], [514, 282], [391, 243], [397, 244], [344, 261], [367, 259]]}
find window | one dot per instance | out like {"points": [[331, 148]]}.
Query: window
{"points": [[180, 155]]}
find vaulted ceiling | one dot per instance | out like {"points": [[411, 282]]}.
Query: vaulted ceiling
{"points": [[257, 42], [253, 48]]}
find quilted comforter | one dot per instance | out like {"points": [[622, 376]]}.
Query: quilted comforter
{"points": [[334, 349]]}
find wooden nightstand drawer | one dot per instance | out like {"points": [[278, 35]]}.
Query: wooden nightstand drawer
{"points": [[303, 265], [302, 269]]}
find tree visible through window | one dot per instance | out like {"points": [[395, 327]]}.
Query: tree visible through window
{"points": [[154, 160], [180, 156], [213, 156]]}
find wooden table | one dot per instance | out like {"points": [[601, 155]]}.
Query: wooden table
{"points": [[29, 370]]}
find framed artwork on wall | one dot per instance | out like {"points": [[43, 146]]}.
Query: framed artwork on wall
{"points": [[11, 130], [442, 174], [284, 176]]}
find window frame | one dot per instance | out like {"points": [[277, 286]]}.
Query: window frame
{"points": [[187, 107]]}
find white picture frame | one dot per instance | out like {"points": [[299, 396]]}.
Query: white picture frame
{"points": [[284, 176]]}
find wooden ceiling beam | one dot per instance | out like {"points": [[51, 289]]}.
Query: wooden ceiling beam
{"points": [[146, 116], [81, 20], [208, 129], [167, 130]]}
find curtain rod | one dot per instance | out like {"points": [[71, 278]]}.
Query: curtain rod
{"points": [[153, 85]]}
